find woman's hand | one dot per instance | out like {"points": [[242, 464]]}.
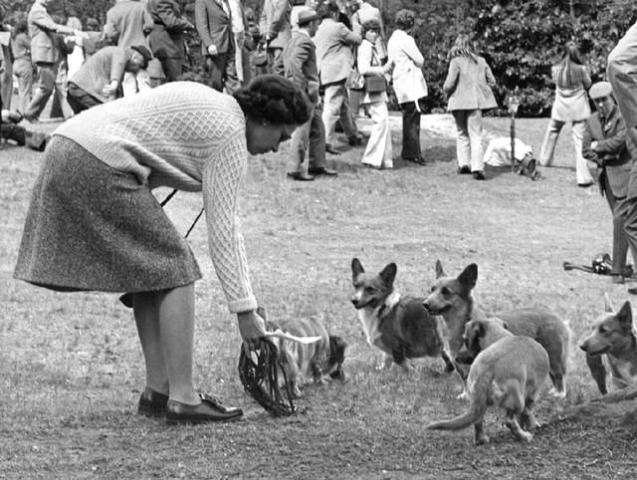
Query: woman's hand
{"points": [[251, 327]]}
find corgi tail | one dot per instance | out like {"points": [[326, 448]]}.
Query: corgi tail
{"points": [[475, 413]]}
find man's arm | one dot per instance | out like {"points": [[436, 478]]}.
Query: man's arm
{"points": [[348, 37], [297, 56], [587, 139], [201, 23], [281, 13], [173, 22], [615, 143], [110, 29], [44, 21]]}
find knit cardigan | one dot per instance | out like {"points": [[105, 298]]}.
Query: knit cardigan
{"points": [[186, 136]]}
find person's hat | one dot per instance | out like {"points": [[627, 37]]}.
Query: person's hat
{"points": [[144, 52], [600, 90], [306, 15]]}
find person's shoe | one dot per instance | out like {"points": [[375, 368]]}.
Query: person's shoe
{"points": [[478, 175], [418, 160], [301, 177], [331, 150], [355, 140], [617, 279], [632, 290], [152, 403], [464, 170], [585, 185], [209, 410], [328, 172]]}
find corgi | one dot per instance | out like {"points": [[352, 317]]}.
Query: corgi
{"points": [[451, 297], [613, 341], [399, 326], [317, 361], [509, 371]]}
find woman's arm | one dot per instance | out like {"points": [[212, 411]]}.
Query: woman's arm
{"points": [[222, 179], [452, 77], [412, 51], [489, 75]]}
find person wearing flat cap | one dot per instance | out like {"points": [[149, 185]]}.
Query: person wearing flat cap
{"points": [[300, 66], [99, 79], [604, 144]]}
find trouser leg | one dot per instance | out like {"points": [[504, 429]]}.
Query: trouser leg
{"points": [[550, 140], [474, 126], [47, 73], [332, 101], [463, 145], [411, 131], [582, 172]]}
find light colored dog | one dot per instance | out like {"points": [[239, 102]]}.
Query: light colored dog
{"points": [[614, 342], [452, 298], [508, 372]]}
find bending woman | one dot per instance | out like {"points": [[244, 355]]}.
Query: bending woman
{"points": [[93, 223]]}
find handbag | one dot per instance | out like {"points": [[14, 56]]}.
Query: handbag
{"points": [[375, 84]]}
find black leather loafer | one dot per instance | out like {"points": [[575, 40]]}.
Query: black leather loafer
{"points": [[152, 403], [209, 410], [478, 175], [301, 177], [464, 170], [331, 150], [323, 171]]}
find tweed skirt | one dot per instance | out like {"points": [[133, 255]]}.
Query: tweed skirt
{"points": [[92, 227]]}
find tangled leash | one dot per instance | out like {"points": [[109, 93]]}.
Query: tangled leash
{"points": [[260, 379]]}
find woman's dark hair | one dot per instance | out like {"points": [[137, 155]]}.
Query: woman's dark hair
{"points": [[463, 47], [372, 25], [274, 99], [567, 76], [405, 19]]}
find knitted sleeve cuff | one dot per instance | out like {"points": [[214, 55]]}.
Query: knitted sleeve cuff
{"points": [[243, 304]]}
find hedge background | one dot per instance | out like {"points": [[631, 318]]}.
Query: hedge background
{"points": [[520, 39]]}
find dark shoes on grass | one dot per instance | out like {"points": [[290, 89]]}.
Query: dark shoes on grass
{"points": [[464, 170], [328, 172], [154, 404]]}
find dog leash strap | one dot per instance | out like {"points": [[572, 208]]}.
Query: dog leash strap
{"points": [[167, 199]]}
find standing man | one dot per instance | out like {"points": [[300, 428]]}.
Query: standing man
{"points": [[44, 54], [128, 23], [334, 44], [99, 79], [213, 19], [167, 40], [299, 64], [275, 29], [604, 143], [623, 79]]}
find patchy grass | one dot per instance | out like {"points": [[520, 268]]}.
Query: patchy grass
{"points": [[71, 368]]}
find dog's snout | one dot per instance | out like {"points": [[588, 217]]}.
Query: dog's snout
{"points": [[426, 305], [584, 346]]}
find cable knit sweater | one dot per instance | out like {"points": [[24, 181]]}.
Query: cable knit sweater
{"points": [[186, 136]]}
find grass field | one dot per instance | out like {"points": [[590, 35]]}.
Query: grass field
{"points": [[71, 369]]}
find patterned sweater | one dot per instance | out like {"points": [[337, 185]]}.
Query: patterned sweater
{"points": [[186, 136]]}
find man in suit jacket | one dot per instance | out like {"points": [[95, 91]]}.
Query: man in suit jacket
{"points": [[299, 65], [44, 54], [213, 19], [623, 79], [128, 23], [334, 44], [167, 36], [275, 29], [604, 143]]}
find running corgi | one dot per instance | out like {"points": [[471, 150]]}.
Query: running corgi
{"points": [[399, 326]]}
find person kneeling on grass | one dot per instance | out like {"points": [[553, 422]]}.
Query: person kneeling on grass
{"points": [[94, 224]]}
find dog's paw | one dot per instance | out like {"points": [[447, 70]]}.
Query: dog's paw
{"points": [[482, 439], [524, 436], [555, 393]]}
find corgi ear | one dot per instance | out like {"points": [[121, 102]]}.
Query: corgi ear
{"points": [[439, 271], [625, 316], [357, 267], [389, 274], [608, 305], [469, 276]]}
